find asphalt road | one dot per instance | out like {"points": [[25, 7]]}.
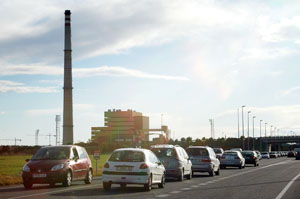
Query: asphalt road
{"points": [[274, 178]]}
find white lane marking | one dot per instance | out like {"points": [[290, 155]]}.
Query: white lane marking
{"points": [[185, 189], [175, 192], [201, 184], [194, 186], [284, 190], [162, 195], [57, 191], [11, 187], [209, 182]]}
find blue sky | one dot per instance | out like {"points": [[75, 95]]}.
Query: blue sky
{"points": [[188, 60]]}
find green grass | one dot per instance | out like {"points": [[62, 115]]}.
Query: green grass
{"points": [[11, 167]]}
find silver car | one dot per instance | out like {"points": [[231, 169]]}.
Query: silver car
{"points": [[175, 159], [204, 160], [232, 159]]}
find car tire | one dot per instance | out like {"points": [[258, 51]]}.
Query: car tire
{"points": [[89, 177], [218, 171], [106, 186], [241, 166], [148, 186], [163, 182], [211, 173], [27, 185], [181, 176], [68, 179], [189, 176], [255, 164]]}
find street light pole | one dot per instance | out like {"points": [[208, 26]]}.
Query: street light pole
{"points": [[253, 133], [238, 114], [243, 128], [248, 131], [260, 143], [271, 130], [266, 129]]}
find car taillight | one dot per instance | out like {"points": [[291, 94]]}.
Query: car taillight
{"points": [[206, 160], [144, 166], [223, 157], [254, 157], [106, 165]]}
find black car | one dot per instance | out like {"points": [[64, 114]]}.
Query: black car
{"points": [[251, 157], [297, 155], [291, 154]]}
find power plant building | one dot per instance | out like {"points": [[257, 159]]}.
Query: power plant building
{"points": [[122, 126]]}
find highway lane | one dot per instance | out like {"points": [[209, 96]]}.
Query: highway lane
{"points": [[265, 181]]}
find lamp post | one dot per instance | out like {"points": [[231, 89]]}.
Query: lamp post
{"points": [[271, 130], [243, 127], [266, 129], [238, 114], [260, 143], [248, 131], [253, 133]]}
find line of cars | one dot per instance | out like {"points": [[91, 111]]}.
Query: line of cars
{"points": [[64, 164]]}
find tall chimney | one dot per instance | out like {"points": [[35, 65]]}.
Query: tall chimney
{"points": [[68, 96]]}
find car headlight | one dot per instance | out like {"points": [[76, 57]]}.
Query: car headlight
{"points": [[57, 167], [26, 168]]}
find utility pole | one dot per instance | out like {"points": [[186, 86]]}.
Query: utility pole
{"points": [[266, 129], [271, 130], [16, 141], [37, 137], [211, 128]]}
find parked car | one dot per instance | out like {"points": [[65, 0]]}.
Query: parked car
{"points": [[204, 160], [291, 154], [133, 166], [273, 154], [251, 157], [175, 159], [232, 159], [58, 164], [265, 155], [219, 152], [258, 155], [297, 155], [236, 149]]}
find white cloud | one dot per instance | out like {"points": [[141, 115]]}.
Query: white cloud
{"points": [[2, 112], [11, 86], [290, 90]]}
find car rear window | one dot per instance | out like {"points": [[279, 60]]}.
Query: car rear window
{"points": [[229, 154], [53, 153], [197, 152], [217, 150], [164, 152], [127, 156]]}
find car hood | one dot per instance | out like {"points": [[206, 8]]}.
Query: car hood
{"points": [[44, 165]]}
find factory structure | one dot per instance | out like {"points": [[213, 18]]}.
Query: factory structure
{"points": [[127, 127]]}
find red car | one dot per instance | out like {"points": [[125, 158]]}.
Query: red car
{"points": [[58, 164]]}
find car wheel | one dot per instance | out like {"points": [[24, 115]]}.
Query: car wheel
{"points": [[163, 182], [106, 186], [211, 173], [27, 185], [148, 186], [89, 177], [241, 166], [189, 176], [68, 179], [218, 171], [181, 176], [255, 164]]}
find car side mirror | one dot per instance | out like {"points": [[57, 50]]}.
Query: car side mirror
{"points": [[27, 160], [75, 159], [159, 163]]}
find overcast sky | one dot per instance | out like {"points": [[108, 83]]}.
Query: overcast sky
{"points": [[188, 60]]}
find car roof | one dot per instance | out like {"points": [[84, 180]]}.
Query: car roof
{"points": [[132, 149], [164, 146], [60, 146], [195, 147], [231, 151]]}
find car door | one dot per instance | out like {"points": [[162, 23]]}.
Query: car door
{"points": [[82, 162], [74, 159], [155, 167], [214, 158], [186, 161]]}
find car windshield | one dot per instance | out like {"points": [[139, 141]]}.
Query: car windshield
{"points": [[247, 153], [53, 153], [216, 150], [197, 152], [127, 156], [164, 152]]}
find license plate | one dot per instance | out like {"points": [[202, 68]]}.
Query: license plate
{"points": [[39, 175], [123, 168]]}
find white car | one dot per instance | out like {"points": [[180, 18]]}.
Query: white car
{"points": [[265, 155], [133, 166]]}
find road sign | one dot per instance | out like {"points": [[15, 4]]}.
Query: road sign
{"points": [[97, 155]]}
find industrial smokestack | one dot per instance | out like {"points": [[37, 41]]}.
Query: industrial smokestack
{"points": [[68, 96]]}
